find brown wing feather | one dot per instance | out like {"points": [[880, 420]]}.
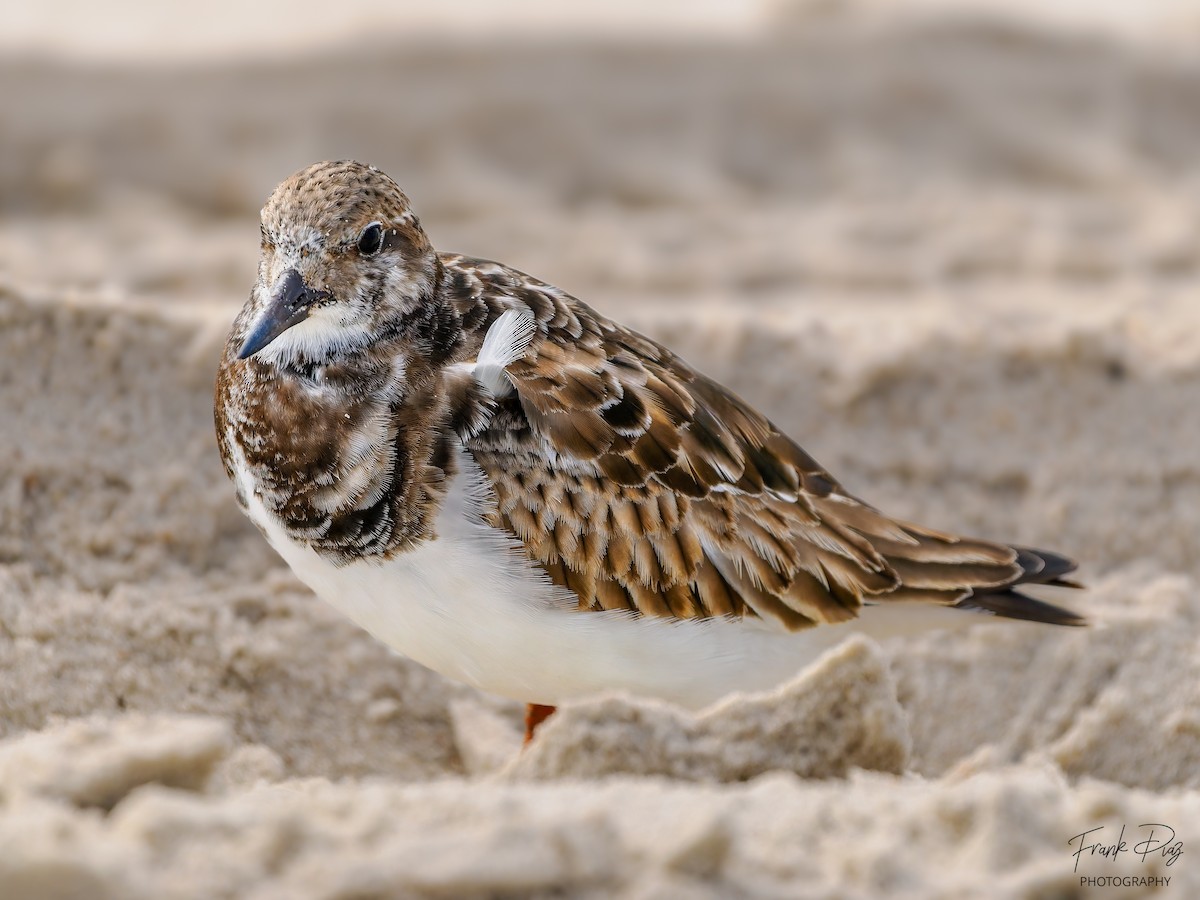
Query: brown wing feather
{"points": [[640, 484]]}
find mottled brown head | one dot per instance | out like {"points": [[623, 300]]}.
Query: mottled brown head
{"points": [[344, 261]]}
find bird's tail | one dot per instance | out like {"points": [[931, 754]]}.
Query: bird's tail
{"points": [[1037, 567], [965, 573]]}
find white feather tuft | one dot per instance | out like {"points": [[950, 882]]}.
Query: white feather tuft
{"points": [[505, 342]]}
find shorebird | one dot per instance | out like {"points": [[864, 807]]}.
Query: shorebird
{"points": [[512, 489]]}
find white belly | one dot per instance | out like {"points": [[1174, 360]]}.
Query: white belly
{"points": [[470, 606]]}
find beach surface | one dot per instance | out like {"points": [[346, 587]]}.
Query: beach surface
{"points": [[957, 259]]}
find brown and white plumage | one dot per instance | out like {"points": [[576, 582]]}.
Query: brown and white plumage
{"points": [[640, 484], [584, 466]]}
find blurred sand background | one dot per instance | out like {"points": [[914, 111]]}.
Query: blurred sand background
{"points": [[953, 248]]}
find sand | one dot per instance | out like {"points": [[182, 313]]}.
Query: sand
{"points": [[958, 261]]}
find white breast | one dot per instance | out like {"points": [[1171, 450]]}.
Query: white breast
{"points": [[471, 606]]}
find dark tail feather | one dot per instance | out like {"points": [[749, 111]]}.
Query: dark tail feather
{"points": [[1040, 567], [1012, 604], [1043, 567]]}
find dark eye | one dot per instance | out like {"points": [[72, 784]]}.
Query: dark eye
{"points": [[370, 241]]}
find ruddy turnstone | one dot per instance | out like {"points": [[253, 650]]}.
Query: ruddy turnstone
{"points": [[510, 488]]}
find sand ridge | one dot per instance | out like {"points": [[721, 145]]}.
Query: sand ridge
{"points": [[963, 277]]}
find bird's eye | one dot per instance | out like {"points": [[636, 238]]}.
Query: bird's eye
{"points": [[370, 241]]}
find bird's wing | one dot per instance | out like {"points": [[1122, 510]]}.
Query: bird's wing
{"points": [[640, 484]]}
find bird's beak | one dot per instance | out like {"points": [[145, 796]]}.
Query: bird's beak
{"points": [[289, 305]]}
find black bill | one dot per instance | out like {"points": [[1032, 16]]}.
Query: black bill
{"points": [[288, 306]]}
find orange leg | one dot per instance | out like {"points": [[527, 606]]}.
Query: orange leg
{"points": [[535, 715]]}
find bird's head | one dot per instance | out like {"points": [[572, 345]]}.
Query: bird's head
{"points": [[344, 263]]}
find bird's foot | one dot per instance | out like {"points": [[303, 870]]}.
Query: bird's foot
{"points": [[535, 715]]}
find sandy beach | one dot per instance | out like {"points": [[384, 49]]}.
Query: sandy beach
{"points": [[957, 259]]}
